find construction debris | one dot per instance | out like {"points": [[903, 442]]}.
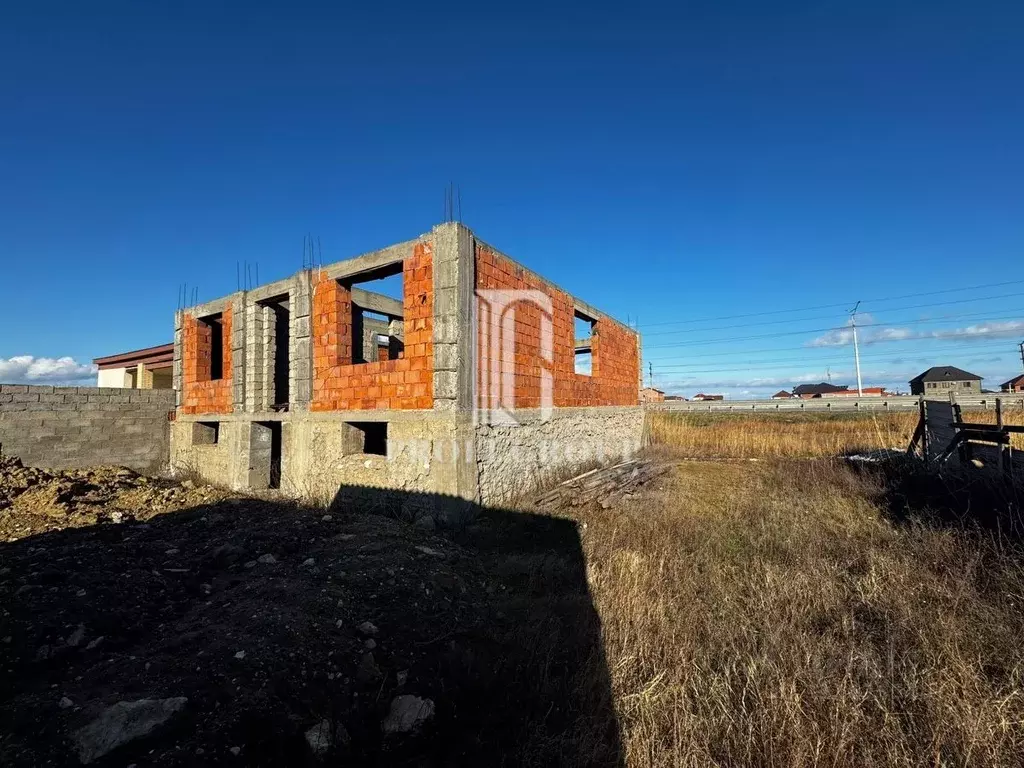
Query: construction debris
{"points": [[604, 486]]}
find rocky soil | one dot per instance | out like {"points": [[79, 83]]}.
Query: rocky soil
{"points": [[35, 500], [148, 622]]}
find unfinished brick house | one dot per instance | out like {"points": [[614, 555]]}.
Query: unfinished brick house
{"points": [[476, 378]]}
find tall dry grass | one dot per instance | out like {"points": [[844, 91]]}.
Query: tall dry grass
{"points": [[773, 615], [791, 435]]}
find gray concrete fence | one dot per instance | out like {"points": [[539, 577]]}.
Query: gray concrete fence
{"points": [[69, 427]]}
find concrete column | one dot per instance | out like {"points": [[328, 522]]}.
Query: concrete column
{"points": [[238, 343], [143, 377], [177, 365], [639, 363], [300, 369], [253, 356], [259, 357], [454, 268], [454, 305]]}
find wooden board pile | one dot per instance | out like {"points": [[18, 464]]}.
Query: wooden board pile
{"points": [[604, 486]]}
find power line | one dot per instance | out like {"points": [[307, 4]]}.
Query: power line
{"points": [[785, 368], [838, 305], [990, 346], [704, 342], [828, 317], [793, 362], [804, 348]]}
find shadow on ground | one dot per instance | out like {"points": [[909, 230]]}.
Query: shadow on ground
{"points": [[979, 498], [255, 612]]}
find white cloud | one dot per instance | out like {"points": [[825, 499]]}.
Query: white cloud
{"points": [[891, 334], [837, 338], [841, 337], [1006, 328], [26, 369]]}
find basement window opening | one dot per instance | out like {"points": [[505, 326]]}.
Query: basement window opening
{"points": [[584, 328], [378, 311], [266, 451], [215, 324], [205, 433], [370, 437], [275, 454]]}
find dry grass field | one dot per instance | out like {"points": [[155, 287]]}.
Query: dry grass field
{"points": [[792, 435], [781, 613]]}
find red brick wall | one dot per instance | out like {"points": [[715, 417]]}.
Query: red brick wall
{"points": [[403, 383], [615, 364], [199, 394]]}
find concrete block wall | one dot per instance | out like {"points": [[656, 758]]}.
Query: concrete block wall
{"points": [[72, 427], [258, 355], [300, 374]]}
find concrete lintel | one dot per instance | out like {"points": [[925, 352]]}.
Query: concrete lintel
{"points": [[379, 303], [272, 290], [215, 306], [586, 310], [371, 261]]}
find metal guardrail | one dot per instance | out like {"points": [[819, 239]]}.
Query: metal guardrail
{"points": [[1011, 401]]}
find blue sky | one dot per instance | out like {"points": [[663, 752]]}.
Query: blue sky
{"points": [[667, 164]]}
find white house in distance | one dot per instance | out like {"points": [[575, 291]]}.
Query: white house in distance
{"points": [[149, 368]]}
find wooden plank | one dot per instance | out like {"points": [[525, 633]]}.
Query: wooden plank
{"points": [[989, 427], [992, 436]]}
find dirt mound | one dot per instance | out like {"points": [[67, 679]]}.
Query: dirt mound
{"points": [[34, 500]]}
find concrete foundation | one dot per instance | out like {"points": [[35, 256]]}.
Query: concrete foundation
{"points": [[514, 459], [433, 453]]}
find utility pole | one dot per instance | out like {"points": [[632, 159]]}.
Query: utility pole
{"points": [[856, 348], [650, 370], [1021, 345]]}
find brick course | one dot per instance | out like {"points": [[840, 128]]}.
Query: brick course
{"points": [[614, 352], [402, 383], [200, 394]]}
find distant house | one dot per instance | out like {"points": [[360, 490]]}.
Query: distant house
{"points": [[783, 395], [864, 392], [675, 397], [945, 378], [651, 395], [148, 368], [702, 396], [808, 391], [1015, 384]]}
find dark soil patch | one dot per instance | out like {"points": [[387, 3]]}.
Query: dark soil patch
{"points": [[496, 627]]}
